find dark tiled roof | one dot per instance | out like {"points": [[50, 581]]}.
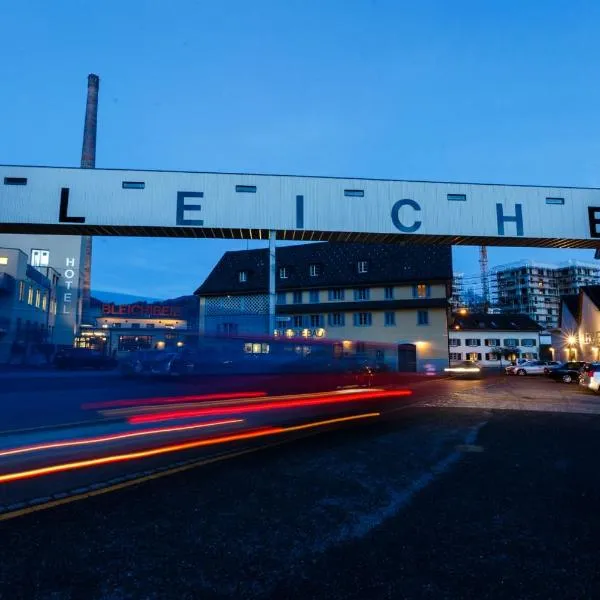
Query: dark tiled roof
{"points": [[505, 322], [593, 293], [387, 264], [572, 303]]}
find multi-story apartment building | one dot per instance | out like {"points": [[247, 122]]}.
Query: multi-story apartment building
{"points": [[394, 295], [534, 289], [28, 305]]}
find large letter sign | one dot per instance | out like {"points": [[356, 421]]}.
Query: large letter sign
{"points": [[396, 216]]}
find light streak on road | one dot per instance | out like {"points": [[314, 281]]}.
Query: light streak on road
{"points": [[114, 437], [119, 458], [265, 406], [171, 399]]}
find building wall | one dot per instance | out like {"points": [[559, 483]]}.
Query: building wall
{"points": [[229, 315], [66, 254], [587, 334], [483, 352], [27, 305]]}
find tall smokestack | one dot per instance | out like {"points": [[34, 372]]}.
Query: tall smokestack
{"points": [[88, 161], [88, 151]]}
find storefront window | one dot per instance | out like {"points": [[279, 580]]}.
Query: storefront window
{"points": [[135, 342]]}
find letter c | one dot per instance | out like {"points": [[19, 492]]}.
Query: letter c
{"points": [[396, 219]]}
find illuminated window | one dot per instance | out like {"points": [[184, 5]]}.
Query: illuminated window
{"points": [[21, 291], [314, 270], [38, 298], [44, 302], [256, 348], [243, 276], [3, 260], [30, 295], [421, 290], [363, 266], [283, 273], [40, 258]]}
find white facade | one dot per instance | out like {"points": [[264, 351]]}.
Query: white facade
{"points": [[479, 345], [121, 202]]}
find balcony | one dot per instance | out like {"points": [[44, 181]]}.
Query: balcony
{"points": [[7, 283]]}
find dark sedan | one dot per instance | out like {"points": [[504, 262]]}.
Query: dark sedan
{"points": [[567, 372]]}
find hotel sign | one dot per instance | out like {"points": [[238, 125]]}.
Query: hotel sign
{"points": [[319, 332]]}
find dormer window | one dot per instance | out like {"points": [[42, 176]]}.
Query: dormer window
{"points": [[363, 266], [314, 270], [283, 273], [243, 276]]}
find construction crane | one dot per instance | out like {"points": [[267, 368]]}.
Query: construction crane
{"points": [[485, 283]]}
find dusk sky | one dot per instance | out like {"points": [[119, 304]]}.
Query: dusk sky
{"points": [[502, 92]]}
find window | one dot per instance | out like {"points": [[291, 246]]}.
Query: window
{"points": [[228, 328], [316, 320], [336, 294], [297, 297], [256, 348], [354, 193], [313, 296], [472, 342], [390, 319], [3, 260], [492, 342], [135, 326], [283, 273], [453, 342], [555, 201], [298, 320], [457, 197], [243, 276], [455, 356], [337, 319], [116, 325], [314, 270], [21, 291], [492, 356], [15, 181], [528, 342], [511, 342], [149, 325], [44, 302], [246, 189], [133, 185], [422, 317], [421, 290], [40, 258], [388, 293], [30, 295], [473, 356], [363, 319], [361, 293], [363, 266], [281, 297]]}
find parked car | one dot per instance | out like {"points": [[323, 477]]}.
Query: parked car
{"points": [[567, 372], [551, 364], [590, 376], [464, 370], [82, 358], [138, 363], [531, 367]]}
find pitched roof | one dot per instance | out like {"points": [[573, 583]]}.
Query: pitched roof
{"points": [[337, 261], [571, 301], [504, 322], [593, 293]]}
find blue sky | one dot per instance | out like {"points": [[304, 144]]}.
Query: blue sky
{"points": [[475, 91]]}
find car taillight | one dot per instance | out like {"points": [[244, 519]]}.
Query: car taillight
{"points": [[590, 372]]}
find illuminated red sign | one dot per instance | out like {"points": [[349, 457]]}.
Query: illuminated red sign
{"points": [[141, 310]]}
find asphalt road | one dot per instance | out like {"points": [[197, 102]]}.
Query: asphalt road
{"points": [[479, 490]]}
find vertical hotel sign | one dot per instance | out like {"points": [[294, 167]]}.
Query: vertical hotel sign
{"points": [[69, 275]]}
